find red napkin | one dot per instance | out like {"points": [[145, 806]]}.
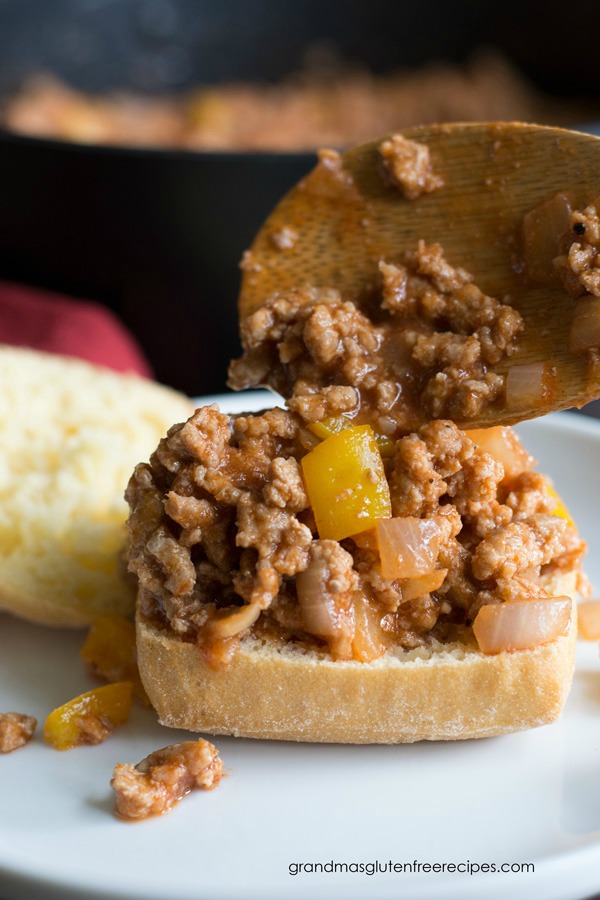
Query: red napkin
{"points": [[34, 318]]}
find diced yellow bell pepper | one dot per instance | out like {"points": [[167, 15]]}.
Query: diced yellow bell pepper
{"points": [[329, 426], [89, 718], [346, 483], [334, 424], [109, 652], [560, 509]]}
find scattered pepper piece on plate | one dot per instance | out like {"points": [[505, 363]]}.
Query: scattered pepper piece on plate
{"points": [[89, 718], [109, 653]]}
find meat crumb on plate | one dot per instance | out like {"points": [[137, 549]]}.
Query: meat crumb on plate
{"points": [[16, 730], [157, 783]]}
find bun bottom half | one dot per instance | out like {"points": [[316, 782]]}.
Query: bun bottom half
{"points": [[287, 692]]}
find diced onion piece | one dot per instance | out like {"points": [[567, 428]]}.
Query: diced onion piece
{"points": [[423, 584], [527, 387], [502, 443], [369, 640], [318, 609], [543, 231], [522, 625], [235, 621], [408, 546], [346, 484], [588, 620], [324, 612], [585, 328]]}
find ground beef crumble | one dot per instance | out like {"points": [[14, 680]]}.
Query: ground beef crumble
{"points": [[579, 267], [223, 540], [425, 354], [579, 270], [285, 238], [157, 783], [407, 166], [16, 730]]}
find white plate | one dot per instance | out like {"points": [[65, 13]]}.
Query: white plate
{"points": [[526, 798]]}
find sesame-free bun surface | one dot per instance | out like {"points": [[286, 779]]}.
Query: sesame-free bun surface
{"points": [[444, 692], [71, 433]]}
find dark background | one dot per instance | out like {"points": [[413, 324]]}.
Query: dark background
{"points": [[152, 44], [157, 235]]}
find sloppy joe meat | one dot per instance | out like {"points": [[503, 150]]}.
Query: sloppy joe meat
{"points": [[421, 349], [223, 539], [16, 730], [162, 779], [224, 543], [579, 267], [575, 236], [407, 166]]}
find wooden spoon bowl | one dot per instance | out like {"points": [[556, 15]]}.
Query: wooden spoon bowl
{"points": [[340, 224]]}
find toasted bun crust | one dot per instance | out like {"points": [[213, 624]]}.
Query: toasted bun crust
{"points": [[446, 692], [71, 434]]}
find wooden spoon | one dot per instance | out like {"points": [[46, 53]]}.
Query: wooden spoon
{"points": [[332, 230]]}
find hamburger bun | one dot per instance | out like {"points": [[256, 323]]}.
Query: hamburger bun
{"points": [[286, 692], [71, 433]]}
